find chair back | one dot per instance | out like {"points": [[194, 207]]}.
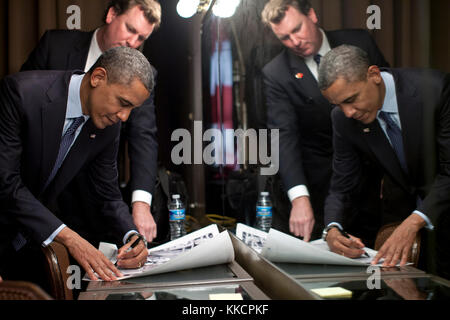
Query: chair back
{"points": [[57, 262], [22, 290]]}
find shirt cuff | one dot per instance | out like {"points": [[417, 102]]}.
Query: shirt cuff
{"points": [[429, 225], [50, 239], [337, 224], [129, 233], [298, 191], [142, 196]]}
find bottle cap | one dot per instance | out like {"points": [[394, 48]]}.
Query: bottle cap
{"points": [[176, 196], [265, 193]]}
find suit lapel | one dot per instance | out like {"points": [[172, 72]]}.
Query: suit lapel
{"points": [[305, 79], [379, 144], [76, 157], [53, 117], [410, 111]]}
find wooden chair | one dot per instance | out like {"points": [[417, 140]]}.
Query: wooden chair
{"points": [[386, 231], [22, 290], [57, 262]]}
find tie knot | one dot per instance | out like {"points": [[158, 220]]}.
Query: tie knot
{"points": [[75, 124], [317, 58], [386, 117]]}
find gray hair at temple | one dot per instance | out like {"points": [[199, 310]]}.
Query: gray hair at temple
{"points": [[275, 10], [123, 65], [348, 62], [151, 8]]}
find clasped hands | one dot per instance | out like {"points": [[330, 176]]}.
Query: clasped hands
{"points": [[396, 248]]}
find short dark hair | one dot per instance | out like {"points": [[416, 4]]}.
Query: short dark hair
{"points": [[348, 62], [275, 10], [123, 65], [151, 8]]}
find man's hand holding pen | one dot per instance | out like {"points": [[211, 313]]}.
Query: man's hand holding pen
{"points": [[344, 244], [133, 254]]}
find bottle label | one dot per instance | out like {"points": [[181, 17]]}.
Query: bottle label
{"points": [[263, 211], [177, 215]]}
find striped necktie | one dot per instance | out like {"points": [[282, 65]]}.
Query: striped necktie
{"points": [[395, 135], [66, 142]]}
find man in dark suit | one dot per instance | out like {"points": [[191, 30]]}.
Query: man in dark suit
{"points": [[127, 23], [400, 120], [52, 124], [296, 107]]}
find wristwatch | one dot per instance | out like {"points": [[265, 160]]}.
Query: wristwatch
{"points": [[140, 236], [325, 231]]}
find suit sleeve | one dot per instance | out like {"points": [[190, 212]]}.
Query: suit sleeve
{"points": [[281, 115], [437, 200], [104, 176], [141, 133], [18, 204], [347, 173], [37, 60]]}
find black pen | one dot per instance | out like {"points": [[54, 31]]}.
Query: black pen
{"points": [[345, 234], [133, 245]]}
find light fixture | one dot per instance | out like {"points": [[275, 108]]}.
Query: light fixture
{"points": [[187, 8], [221, 8], [225, 8]]}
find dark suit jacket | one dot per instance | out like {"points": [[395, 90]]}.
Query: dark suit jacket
{"points": [[423, 98], [298, 109], [68, 50], [32, 114]]}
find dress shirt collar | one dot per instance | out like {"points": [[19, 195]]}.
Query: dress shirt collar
{"points": [[94, 52], [390, 98], [325, 44], [324, 48], [309, 61], [74, 109]]}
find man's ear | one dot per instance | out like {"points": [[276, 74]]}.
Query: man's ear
{"points": [[312, 16], [111, 15], [98, 76], [374, 73]]}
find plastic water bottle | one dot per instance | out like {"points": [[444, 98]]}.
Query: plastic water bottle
{"points": [[264, 212], [177, 217]]}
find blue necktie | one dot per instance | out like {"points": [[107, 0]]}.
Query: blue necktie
{"points": [[66, 142], [395, 135], [317, 58]]}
